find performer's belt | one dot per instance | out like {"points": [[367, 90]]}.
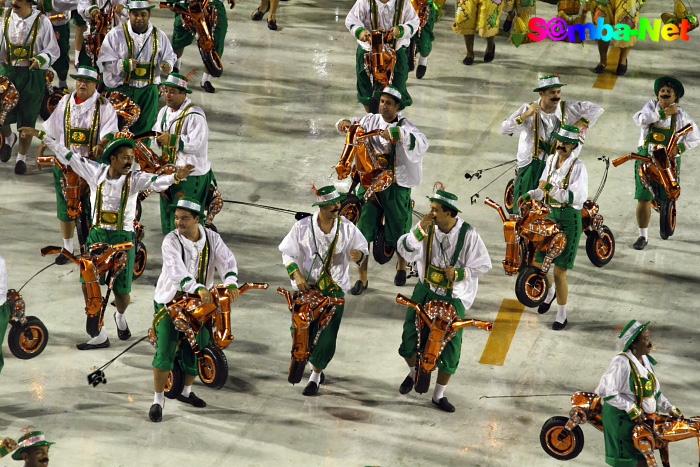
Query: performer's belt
{"points": [[142, 72], [437, 277], [79, 137]]}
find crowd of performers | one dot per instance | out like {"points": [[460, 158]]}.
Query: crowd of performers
{"points": [[87, 139]]}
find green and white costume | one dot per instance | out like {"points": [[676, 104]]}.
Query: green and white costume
{"points": [[182, 37], [85, 9], [62, 29]]}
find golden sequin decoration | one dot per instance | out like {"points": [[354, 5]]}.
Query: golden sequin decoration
{"points": [[658, 136]]}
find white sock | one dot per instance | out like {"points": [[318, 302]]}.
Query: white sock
{"points": [[412, 374], [186, 390], [11, 140], [100, 338], [315, 377], [68, 244], [62, 83], [422, 60], [561, 314], [77, 56], [439, 392], [550, 295], [644, 233], [21, 157], [205, 78], [178, 63], [121, 321], [159, 398]]}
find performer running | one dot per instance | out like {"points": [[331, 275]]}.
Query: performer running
{"points": [[537, 123], [113, 193], [190, 255], [403, 145], [317, 253], [450, 256], [659, 119], [27, 50]]}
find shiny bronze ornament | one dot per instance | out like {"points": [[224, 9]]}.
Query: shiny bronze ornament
{"points": [[381, 59], [100, 25], [127, 110], [9, 97]]}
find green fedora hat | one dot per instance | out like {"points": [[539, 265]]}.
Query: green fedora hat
{"points": [[29, 440], [328, 195], [87, 72], [669, 79], [114, 144], [139, 5], [567, 134], [393, 92], [191, 204], [548, 81], [630, 332], [445, 198], [177, 81]]}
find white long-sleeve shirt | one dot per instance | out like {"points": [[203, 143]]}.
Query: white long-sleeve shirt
{"points": [[114, 51], [649, 115], [3, 281], [299, 247], [181, 275], [62, 7], [410, 149], [95, 174], [576, 192], [615, 385], [194, 139], [359, 17], [81, 116], [86, 6], [473, 258], [45, 48], [548, 122]]}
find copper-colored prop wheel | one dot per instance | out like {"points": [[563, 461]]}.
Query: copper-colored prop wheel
{"points": [[600, 248], [140, 260], [560, 443], [509, 195], [175, 382], [29, 341], [531, 286], [213, 367]]}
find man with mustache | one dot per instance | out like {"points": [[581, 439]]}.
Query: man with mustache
{"points": [[27, 50], [563, 186], [403, 146], [317, 254], [450, 256], [113, 194], [84, 122], [183, 134], [628, 391], [131, 60], [537, 122], [658, 120], [33, 449]]}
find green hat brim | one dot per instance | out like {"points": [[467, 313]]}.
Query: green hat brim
{"points": [[114, 144], [634, 336], [341, 197], [173, 85], [76, 77], [564, 139], [548, 86], [17, 455], [444, 203], [678, 84]]}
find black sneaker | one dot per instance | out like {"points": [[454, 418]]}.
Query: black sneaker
{"points": [[640, 243], [6, 149], [193, 400], [86, 346], [406, 386], [156, 413], [126, 333], [420, 71], [443, 404], [557, 326], [400, 278], [358, 288], [61, 259], [468, 60], [544, 307], [207, 86], [311, 389]]}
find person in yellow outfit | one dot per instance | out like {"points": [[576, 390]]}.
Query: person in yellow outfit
{"points": [[482, 16], [616, 12]]}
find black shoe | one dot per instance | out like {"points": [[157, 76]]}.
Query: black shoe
{"points": [[20, 168], [443, 404], [125, 334], [358, 288], [61, 259], [400, 278], [156, 413], [272, 25], [207, 86], [488, 57], [599, 69], [420, 72], [311, 389], [411, 65], [406, 386], [468, 60], [193, 400], [621, 69], [557, 326], [6, 150], [640, 243], [86, 346], [258, 15], [507, 24], [544, 307]]}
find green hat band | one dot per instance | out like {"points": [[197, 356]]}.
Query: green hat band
{"points": [[630, 332]]}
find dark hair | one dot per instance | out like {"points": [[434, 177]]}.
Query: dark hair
{"points": [[394, 98], [448, 210], [671, 85], [116, 151], [193, 213]]}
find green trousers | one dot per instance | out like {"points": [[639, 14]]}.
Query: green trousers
{"points": [[569, 219], [182, 37], [426, 36], [31, 85], [193, 187], [325, 347], [4, 321], [619, 448], [527, 179], [62, 65], [147, 98], [396, 209], [365, 90], [98, 235]]}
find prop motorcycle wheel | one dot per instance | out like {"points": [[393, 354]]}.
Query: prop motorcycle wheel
{"points": [[531, 286], [411, 52], [50, 101], [350, 208], [28, 341], [210, 58], [380, 250], [600, 248], [296, 371], [140, 258], [213, 367], [175, 383], [423, 381], [558, 442], [92, 324], [667, 210], [509, 195]]}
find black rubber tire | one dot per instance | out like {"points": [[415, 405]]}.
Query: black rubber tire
{"points": [[92, 324], [561, 449], [213, 367], [28, 341], [175, 383], [411, 53], [668, 219], [508, 196], [49, 102], [44, 111], [423, 382], [140, 259], [531, 286], [139, 209], [600, 248], [382, 252], [296, 371], [212, 62], [350, 208]]}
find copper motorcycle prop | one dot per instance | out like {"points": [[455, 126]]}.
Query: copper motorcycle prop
{"points": [[96, 261], [440, 321], [562, 437], [199, 17], [660, 167], [189, 316], [525, 233], [9, 97], [100, 25], [423, 11], [28, 336], [379, 63], [307, 308], [369, 169]]}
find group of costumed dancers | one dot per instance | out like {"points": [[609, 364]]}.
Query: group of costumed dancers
{"points": [[98, 140]]}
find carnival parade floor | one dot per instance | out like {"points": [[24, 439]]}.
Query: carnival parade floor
{"points": [[272, 136]]}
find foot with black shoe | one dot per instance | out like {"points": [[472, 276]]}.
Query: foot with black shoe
{"points": [[468, 60], [61, 259], [599, 68], [122, 327], [621, 68], [407, 385], [272, 24], [207, 86], [156, 413], [258, 15], [191, 399], [20, 167], [422, 66], [400, 278], [359, 287], [6, 149], [490, 53], [547, 304], [315, 381], [98, 342], [560, 322], [640, 243], [443, 404]]}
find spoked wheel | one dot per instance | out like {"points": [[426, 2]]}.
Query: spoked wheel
{"points": [[423, 381], [531, 286], [175, 383], [213, 367], [600, 248], [296, 371], [49, 102], [668, 219], [380, 250], [560, 443], [212, 62], [350, 208], [140, 259], [411, 53], [28, 341], [509, 195], [93, 323]]}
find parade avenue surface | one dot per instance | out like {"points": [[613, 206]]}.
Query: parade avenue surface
{"points": [[271, 136]]}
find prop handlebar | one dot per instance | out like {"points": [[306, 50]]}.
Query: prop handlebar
{"points": [[497, 207]]}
